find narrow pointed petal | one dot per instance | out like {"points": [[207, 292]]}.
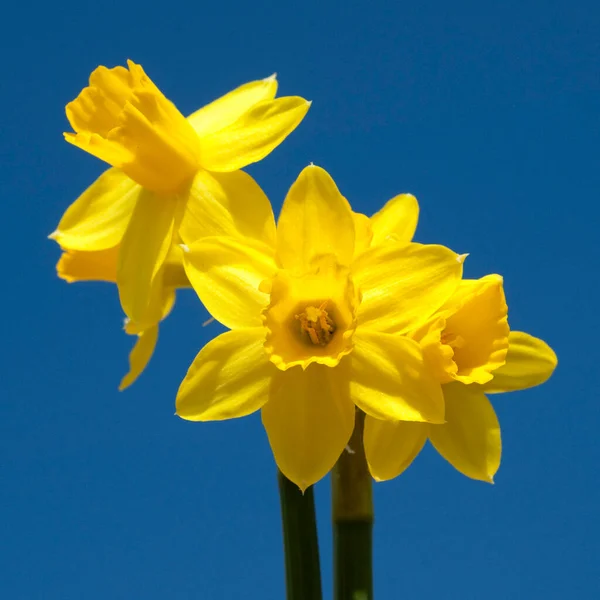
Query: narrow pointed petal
{"points": [[140, 355], [254, 135], [144, 249], [98, 218], [391, 446], [309, 419], [403, 284], [230, 204], [390, 380], [226, 274], [396, 221], [315, 220], [529, 362], [228, 108], [470, 438], [229, 378], [97, 265]]}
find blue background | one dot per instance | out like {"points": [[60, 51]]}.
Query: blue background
{"points": [[488, 114]]}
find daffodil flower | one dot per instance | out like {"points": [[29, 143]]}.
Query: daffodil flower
{"points": [[165, 168], [310, 321], [234, 206], [470, 352]]}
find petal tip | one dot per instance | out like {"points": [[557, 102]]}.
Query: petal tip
{"points": [[460, 258], [54, 235], [272, 77], [184, 247]]}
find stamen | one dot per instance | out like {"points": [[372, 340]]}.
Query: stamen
{"points": [[453, 340], [316, 324]]}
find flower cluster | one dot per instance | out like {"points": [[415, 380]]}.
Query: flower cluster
{"points": [[329, 311]]}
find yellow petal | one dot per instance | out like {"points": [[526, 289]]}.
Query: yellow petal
{"points": [[470, 438], [391, 446], [99, 265], [140, 355], [144, 249], [478, 329], [231, 204], [228, 108], [363, 231], [162, 300], [309, 419], [254, 135], [315, 220], [403, 284], [175, 276], [229, 378], [529, 362], [99, 217], [389, 379], [226, 274], [396, 221]]}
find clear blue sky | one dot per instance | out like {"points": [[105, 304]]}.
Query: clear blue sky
{"points": [[489, 114]]}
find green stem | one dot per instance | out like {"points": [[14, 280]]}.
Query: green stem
{"points": [[352, 516], [300, 543]]}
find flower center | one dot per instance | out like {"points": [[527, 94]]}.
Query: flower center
{"points": [[316, 325], [311, 317], [453, 340]]}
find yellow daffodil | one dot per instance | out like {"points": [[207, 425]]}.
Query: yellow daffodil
{"points": [[234, 206], [165, 168], [470, 352], [310, 319]]}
